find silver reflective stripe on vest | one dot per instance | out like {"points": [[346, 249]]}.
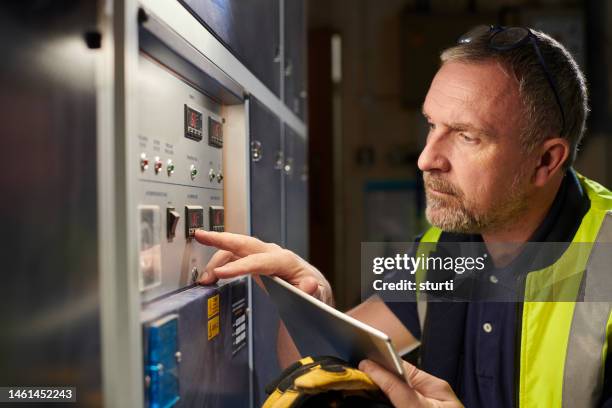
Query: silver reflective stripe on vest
{"points": [[584, 367]]}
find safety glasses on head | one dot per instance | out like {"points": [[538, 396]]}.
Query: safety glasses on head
{"points": [[508, 38]]}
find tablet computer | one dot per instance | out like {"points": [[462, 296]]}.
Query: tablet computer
{"points": [[320, 330]]}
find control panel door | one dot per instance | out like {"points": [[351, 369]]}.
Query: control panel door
{"points": [[296, 193], [294, 70], [266, 165]]}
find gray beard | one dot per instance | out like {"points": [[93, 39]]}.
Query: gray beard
{"points": [[457, 214]]}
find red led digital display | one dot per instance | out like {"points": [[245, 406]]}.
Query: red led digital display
{"points": [[215, 133], [194, 219], [193, 124], [215, 129], [216, 218]]}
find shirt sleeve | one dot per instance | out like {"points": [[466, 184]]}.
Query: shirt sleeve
{"points": [[407, 313]]}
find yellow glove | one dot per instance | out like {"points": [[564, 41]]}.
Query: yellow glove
{"points": [[323, 381]]}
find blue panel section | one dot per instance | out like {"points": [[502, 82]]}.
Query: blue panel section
{"points": [[212, 372], [161, 363]]}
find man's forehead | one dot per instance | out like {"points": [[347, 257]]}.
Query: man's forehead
{"points": [[482, 94]]}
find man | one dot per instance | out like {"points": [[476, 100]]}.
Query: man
{"points": [[507, 112]]}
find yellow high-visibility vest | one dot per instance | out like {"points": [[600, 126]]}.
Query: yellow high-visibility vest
{"points": [[564, 344]]}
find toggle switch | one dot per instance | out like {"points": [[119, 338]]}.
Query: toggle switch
{"points": [[172, 219], [158, 165], [193, 171], [144, 162], [170, 167]]}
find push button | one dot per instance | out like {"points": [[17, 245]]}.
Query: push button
{"points": [[216, 218], [194, 220]]}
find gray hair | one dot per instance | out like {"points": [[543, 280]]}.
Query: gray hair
{"points": [[542, 115]]}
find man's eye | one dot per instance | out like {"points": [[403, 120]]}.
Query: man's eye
{"points": [[467, 138], [432, 126]]}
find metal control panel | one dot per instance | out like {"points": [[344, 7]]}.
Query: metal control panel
{"points": [[179, 174]]}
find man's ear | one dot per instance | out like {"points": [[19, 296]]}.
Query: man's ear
{"points": [[552, 155]]}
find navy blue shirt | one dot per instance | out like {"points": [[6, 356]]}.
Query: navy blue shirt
{"points": [[485, 372]]}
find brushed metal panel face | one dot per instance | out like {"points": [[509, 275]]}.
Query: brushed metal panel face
{"points": [[50, 282], [162, 97]]}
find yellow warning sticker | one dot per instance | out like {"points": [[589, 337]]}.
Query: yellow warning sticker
{"points": [[213, 327], [213, 305]]}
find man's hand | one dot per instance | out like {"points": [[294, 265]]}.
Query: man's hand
{"points": [[425, 389], [244, 255]]}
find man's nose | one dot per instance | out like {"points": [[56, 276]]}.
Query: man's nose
{"points": [[433, 156]]}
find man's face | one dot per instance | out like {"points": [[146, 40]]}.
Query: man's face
{"points": [[475, 170]]}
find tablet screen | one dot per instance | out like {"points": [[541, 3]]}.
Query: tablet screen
{"points": [[318, 329]]}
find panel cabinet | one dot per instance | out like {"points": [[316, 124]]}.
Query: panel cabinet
{"points": [[250, 29], [296, 193], [294, 70], [266, 165]]}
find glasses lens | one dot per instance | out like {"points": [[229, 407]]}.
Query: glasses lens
{"points": [[509, 38], [474, 33]]}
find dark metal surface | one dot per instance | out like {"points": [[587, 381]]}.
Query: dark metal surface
{"points": [[296, 190], [250, 29], [50, 292], [265, 128], [295, 56], [266, 321], [209, 374]]}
